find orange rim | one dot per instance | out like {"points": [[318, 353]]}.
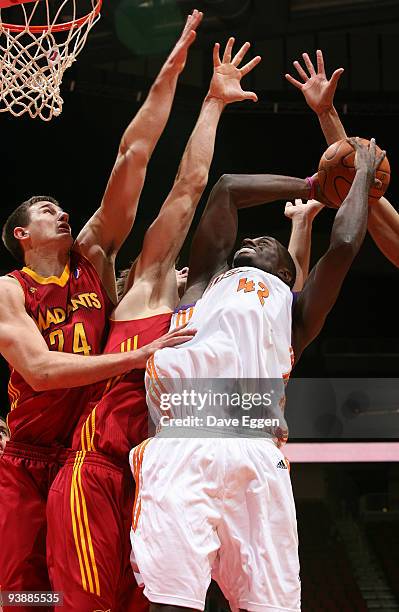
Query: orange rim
{"points": [[60, 27]]}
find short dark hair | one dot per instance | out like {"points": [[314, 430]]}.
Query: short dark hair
{"points": [[20, 217]]}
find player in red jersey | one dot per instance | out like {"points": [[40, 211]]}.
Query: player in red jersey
{"points": [[97, 477], [67, 290]]}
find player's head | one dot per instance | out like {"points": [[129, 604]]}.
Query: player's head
{"points": [[4, 435], [123, 276], [268, 254], [36, 223]]}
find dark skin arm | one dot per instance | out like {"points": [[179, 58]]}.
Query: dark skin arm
{"points": [[324, 283], [216, 234]]}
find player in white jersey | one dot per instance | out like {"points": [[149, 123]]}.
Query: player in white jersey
{"points": [[220, 506], [234, 329], [244, 333]]}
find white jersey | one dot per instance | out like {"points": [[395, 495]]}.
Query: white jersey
{"points": [[243, 323], [219, 507]]}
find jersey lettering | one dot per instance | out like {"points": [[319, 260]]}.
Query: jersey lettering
{"points": [[57, 315], [80, 344], [248, 286], [227, 274], [57, 336]]}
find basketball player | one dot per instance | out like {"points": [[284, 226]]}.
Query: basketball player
{"points": [[67, 290], [104, 580], [383, 220], [224, 506], [4, 435]]}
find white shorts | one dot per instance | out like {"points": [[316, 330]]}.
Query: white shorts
{"points": [[220, 508]]}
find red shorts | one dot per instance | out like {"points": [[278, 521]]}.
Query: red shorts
{"points": [[89, 514], [26, 475]]}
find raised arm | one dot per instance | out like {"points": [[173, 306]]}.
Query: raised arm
{"points": [[325, 280], [22, 345], [383, 221], [302, 216], [164, 238], [319, 94], [107, 229], [217, 231]]}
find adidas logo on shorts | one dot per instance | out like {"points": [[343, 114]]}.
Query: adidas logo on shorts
{"points": [[282, 465]]}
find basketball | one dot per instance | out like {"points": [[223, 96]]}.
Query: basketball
{"points": [[337, 171]]}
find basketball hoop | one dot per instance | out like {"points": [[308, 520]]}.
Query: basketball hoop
{"points": [[34, 57]]}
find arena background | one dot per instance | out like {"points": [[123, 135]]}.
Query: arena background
{"points": [[348, 512]]}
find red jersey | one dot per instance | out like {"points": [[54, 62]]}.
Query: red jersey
{"points": [[71, 312], [119, 420]]}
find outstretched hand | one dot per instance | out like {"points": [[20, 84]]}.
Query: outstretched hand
{"points": [[225, 83], [178, 57], [301, 210], [318, 90]]}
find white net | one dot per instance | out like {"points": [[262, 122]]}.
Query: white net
{"points": [[33, 58]]}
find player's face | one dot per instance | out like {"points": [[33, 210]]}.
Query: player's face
{"points": [[4, 436], [262, 253], [48, 224]]}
